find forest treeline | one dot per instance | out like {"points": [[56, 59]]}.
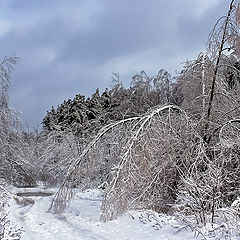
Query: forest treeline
{"points": [[84, 115], [171, 144]]}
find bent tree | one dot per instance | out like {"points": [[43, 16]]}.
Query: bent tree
{"points": [[135, 157]]}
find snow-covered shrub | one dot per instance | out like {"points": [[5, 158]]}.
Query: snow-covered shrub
{"points": [[8, 230], [154, 219], [55, 152], [208, 196]]}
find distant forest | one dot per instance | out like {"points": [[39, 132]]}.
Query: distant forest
{"points": [[85, 115]]}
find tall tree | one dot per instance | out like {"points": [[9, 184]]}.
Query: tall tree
{"points": [[223, 39]]}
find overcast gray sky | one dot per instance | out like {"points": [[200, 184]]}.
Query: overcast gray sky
{"points": [[73, 46]]}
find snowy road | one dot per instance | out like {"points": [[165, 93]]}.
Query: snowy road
{"points": [[81, 222], [78, 222]]}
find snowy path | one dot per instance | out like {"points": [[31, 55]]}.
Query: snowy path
{"points": [[81, 222], [39, 224]]}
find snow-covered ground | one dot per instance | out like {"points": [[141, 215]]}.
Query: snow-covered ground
{"points": [[82, 221]]}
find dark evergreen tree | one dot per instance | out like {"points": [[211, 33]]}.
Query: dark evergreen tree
{"points": [[84, 117]]}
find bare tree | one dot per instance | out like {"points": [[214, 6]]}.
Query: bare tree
{"points": [[12, 168], [192, 86], [223, 38]]}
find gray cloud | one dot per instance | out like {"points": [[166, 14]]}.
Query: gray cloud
{"points": [[71, 47]]}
